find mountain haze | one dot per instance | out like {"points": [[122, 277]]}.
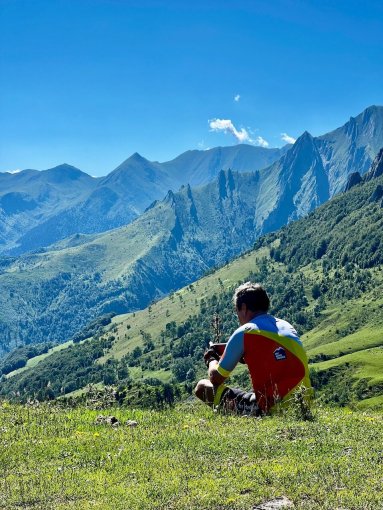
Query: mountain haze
{"points": [[29, 197], [315, 168], [202, 167]]}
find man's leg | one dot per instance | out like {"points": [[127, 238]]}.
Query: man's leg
{"points": [[205, 391], [240, 402], [230, 400], [209, 393]]}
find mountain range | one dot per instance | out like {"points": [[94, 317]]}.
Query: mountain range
{"points": [[48, 296], [28, 198], [40, 208]]}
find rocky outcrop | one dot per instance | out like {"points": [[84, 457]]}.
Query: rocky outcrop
{"points": [[377, 195], [354, 179], [376, 168]]}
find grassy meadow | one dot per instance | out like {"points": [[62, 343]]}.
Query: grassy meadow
{"points": [[187, 458]]}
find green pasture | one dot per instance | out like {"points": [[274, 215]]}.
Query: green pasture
{"points": [[32, 362], [368, 364]]}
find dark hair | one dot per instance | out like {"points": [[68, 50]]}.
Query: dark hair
{"points": [[253, 295]]}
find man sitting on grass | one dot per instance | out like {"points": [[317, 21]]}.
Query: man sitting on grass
{"points": [[271, 349]]}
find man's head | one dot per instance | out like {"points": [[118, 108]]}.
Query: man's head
{"points": [[249, 300]]}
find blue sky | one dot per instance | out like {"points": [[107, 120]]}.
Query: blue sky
{"points": [[89, 82]]}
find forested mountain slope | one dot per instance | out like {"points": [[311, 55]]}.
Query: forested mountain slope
{"points": [[324, 274]]}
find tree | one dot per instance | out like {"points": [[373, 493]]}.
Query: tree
{"points": [[181, 367], [316, 291]]}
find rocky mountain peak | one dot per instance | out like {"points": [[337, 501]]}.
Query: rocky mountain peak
{"points": [[170, 198], [136, 157], [370, 112], [306, 140], [65, 168], [304, 149]]}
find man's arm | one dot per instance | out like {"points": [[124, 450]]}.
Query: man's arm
{"points": [[220, 370]]}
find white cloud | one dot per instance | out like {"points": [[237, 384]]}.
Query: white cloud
{"points": [[237, 98], [228, 127], [287, 138], [243, 135], [261, 141], [13, 171]]}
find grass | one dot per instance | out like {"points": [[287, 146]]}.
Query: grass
{"points": [[187, 458], [368, 361], [365, 338], [351, 333], [371, 403], [366, 313]]}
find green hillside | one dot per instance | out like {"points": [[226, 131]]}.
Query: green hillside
{"points": [[324, 274]]}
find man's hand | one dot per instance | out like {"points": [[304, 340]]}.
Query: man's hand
{"points": [[214, 353], [210, 355]]}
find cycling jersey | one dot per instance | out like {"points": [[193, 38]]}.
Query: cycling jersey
{"points": [[274, 355]]}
